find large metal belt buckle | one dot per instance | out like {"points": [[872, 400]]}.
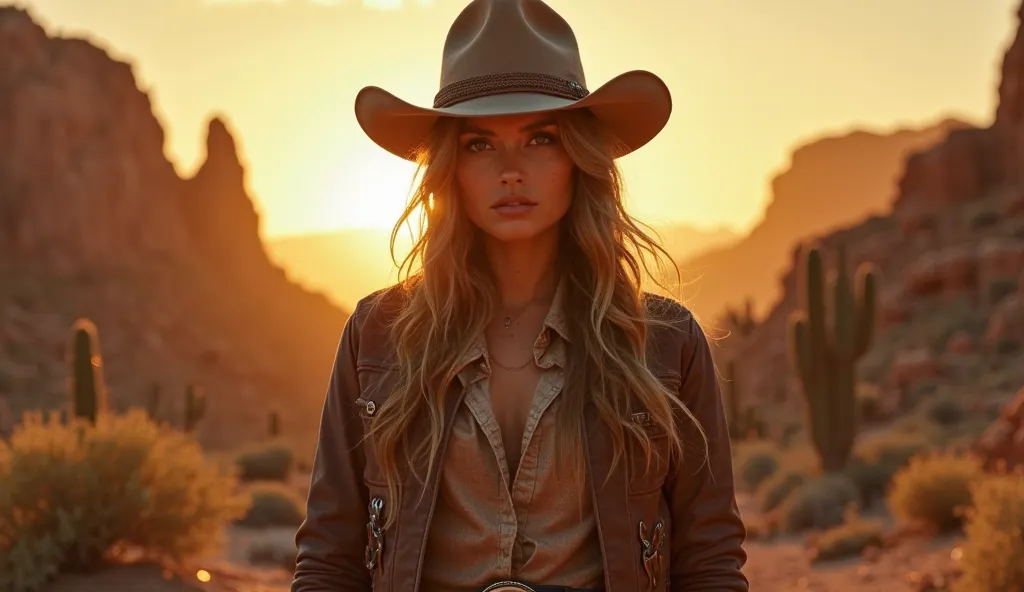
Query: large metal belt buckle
{"points": [[508, 586]]}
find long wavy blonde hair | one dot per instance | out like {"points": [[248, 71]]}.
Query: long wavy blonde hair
{"points": [[451, 297]]}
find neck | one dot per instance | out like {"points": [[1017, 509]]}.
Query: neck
{"points": [[525, 271]]}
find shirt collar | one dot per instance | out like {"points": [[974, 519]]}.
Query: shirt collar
{"points": [[547, 351]]}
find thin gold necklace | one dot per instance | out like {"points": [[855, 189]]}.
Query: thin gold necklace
{"points": [[511, 368]]}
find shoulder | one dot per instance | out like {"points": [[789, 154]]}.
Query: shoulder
{"points": [[371, 320], [674, 333]]}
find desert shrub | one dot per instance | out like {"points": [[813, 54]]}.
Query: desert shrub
{"points": [[918, 426], [871, 478], [273, 504], [73, 495], [877, 459], [869, 402], [1006, 346], [944, 411], [757, 465], [1000, 288], [790, 434], [818, 503], [993, 554], [933, 488], [268, 462], [984, 219], [775, 489], [849, 538]]}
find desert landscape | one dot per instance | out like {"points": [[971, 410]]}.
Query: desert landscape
{"points": [[162, 368]]}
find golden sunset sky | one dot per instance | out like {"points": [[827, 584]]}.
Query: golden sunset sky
{"points": [[751, 79]]}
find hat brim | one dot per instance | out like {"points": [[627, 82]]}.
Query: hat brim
{"points": [[635, 106]]}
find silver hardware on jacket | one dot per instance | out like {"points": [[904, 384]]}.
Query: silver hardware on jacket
{"points": [[654, 561], [374, 534]]}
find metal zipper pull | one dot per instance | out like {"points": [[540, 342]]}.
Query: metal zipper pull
{"points": [[654, 561], [374, 534]]}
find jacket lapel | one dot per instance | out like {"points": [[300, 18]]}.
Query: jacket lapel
{"points": [[612, 508], [418, 500]]}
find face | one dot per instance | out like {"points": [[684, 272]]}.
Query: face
{"points": [[514, 177]]}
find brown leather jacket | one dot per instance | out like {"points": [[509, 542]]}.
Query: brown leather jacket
{"points": [[696, 500]]}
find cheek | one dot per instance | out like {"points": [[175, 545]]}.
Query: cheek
{"points": [[471, 178], [558, 177]]}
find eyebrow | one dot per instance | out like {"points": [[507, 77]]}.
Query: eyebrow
{"points": [[526, 128]]}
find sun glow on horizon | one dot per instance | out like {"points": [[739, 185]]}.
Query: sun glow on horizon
{"points": [[372, 190]]}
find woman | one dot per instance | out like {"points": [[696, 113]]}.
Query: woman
{"points": [[519, 414]]}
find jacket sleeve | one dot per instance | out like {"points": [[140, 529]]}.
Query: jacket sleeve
{"points": [[332, 538], [707, 531]]}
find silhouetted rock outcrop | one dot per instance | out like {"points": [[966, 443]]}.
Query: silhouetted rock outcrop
{"points": [[83, 179], [219, 212], [95, 222]]}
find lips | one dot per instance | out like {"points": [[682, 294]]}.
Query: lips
{"points": [[512, 201]]}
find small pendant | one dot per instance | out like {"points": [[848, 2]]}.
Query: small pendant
{"points": [[508, 321]]}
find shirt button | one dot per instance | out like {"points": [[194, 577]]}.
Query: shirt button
{"points": [[371, 407]]}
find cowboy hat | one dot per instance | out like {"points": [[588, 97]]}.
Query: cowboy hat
{"points": [[506, 57]]}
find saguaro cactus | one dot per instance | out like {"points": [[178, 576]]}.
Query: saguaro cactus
{"points": [[153, 402], [88, 389], [195, 406], [743, 322], [824, 349], [743, 421]]}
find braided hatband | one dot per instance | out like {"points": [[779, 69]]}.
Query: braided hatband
{"points": [[482, 86]]}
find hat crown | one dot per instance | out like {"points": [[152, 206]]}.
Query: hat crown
{"points": [[510, 36]]}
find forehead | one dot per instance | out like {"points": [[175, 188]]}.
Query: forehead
{"points": [[509, 123]]}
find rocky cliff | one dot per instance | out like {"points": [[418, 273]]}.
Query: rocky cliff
{"points": [[95, 222], [950, 255], [829, 183]]}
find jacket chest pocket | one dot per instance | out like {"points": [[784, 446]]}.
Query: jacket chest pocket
{"points": [[376, 383], [647, 470]]}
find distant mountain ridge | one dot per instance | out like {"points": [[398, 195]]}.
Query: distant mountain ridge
{"points": [[350, 263], [829, 183]]}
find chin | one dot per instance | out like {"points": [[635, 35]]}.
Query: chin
{"points": [[517, 231]]}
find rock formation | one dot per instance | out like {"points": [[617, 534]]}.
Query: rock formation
{"points": [[830, 183], [951, 259], [83, 180], [95, 222], [219, 212]]}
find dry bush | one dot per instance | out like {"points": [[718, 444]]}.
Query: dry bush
{"points": [[273, 461], [273, 504], [847, 539], [818, 503], [993, 558], [755, 464], [775, 489], [933, 489], [73, 495], [876, 460]]}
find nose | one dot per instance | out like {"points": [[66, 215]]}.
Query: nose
{"points": [[511, 171]]}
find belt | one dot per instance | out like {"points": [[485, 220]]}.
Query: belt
{"points": [[511, 586]]}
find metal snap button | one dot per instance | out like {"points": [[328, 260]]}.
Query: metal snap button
{"points": [[371, 408]]}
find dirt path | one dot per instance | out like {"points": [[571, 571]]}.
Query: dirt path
{"points": [[783, 564]]}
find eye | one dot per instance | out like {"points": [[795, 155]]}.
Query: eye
{"points": [[477, 145], [542, 139]]}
